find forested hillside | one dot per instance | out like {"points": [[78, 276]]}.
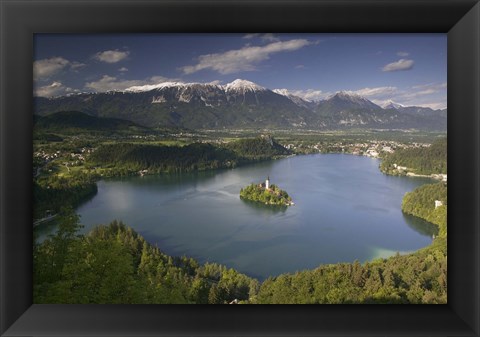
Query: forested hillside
{"points": [[264, 147], [421, 160], [50, 193], [420, 277], [126, 158], [421, 203], [113, 264]]}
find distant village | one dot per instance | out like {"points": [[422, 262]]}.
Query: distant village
{"points": [[373, 149]]}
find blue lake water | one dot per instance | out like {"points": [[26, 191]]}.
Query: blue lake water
{"points": [[345, 210]]}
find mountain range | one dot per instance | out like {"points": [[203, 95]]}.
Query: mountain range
{"points": [[241, 104]]}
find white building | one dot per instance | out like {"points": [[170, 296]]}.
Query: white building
{"points": [[267, 183]]}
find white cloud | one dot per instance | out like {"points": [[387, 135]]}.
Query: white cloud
{"points": [[44, 69], [310, 94], [420, 95], [111, 56], [47, 67], [432, 95], [243, 59], [433, 105], [435, 86], [401, 64], [250, 36], [267, 37], [216, 82], [77, 65], [403, 53], [382, 102], [160, 79], [123, 69], [424, 89], [426, 92], [375, 92], [107, 83], [300, 66], [54, 89]]}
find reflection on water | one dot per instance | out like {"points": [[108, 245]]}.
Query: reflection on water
{"points": [[420, 226], [262, 208], [172, 179], [382, 253]]}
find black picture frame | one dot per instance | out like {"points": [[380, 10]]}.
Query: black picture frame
{"points": [[21, 19]]}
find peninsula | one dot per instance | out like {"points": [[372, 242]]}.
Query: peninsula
{"points": [[266, 193]]}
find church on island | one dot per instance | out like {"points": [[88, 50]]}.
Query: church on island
{"points": [[266, 184], [266, 193]]}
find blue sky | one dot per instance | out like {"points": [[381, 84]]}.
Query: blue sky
{"points": [[410, 69]]}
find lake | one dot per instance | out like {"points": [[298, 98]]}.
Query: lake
{"points": [[345, 210]]}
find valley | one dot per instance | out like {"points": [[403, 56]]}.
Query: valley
{"points": [[240, 168], [76, 154], [73, 150]]}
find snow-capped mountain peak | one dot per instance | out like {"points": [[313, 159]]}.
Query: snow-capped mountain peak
{"points": [[242, 104], [149, 87], [283, 92], [348, 98], [237, 85], [391, 105], [242, 85], [163, 85], [298, 100], [347, 95]]}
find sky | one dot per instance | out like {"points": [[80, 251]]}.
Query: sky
{"points": [[410, 69]]}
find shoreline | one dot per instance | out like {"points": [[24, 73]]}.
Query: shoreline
{"points": [[214, 170]]}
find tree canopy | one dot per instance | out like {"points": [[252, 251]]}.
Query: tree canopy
{"points": [[113, 264], [272, 196]]}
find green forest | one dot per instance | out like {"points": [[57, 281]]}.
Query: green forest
{"points": [[421, 203], [50, 193], [113, 264], [128, 158], [419, 160], [259, 148]]}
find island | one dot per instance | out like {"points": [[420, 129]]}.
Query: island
{"points": [[266, 193]]}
